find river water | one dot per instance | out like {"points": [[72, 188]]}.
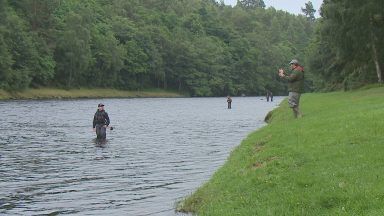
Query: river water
{"points": [[160, 151]]}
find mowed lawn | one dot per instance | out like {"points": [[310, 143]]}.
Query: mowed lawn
{"points": [[330, 162]]}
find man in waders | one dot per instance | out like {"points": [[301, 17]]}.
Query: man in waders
{"points": [[229, 101], [269, 95], [295, 85], [101, 122]]}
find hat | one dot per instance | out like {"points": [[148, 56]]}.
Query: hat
{"points": [[100, 105], [294, 61]]}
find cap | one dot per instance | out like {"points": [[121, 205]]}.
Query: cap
{"points": [[294, 61], [100, 105]]}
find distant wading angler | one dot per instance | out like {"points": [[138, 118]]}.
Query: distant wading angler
{"points": [[101, 122], [229, 101], [269, 96], [295, 85]]}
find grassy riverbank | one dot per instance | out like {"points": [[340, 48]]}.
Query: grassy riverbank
{"points": [[330, 162], [52, 93]]}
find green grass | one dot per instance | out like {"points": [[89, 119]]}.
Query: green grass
{"points": [[330, 162], [52, 93]]}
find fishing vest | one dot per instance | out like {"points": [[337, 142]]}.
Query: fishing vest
{"points": [[100, 117]]}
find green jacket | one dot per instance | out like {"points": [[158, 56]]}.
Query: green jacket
{"points": [[296, 80]]}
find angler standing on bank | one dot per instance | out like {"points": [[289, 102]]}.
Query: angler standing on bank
{"points": [[295, 85]]}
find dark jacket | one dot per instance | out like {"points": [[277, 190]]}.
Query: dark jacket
{"points": [[296, 80], [100, 118]]}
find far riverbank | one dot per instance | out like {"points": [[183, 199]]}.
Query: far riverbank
{"points": [[54, 93]]}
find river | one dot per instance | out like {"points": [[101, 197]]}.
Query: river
{"points": [[160, 151]]}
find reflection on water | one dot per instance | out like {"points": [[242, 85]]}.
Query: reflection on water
{"points": [[160, 151]]}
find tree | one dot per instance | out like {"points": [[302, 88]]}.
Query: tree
{"points": [[31, 62], [201, 47], [251, 4], [309, 11], [5, 62], [350, 32], [107, 58], [73, 54]]}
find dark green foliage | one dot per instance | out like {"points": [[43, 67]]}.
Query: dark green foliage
{"points": [[5, 61], [201, 47], [25, 58], [251, 4], [347, 51]]}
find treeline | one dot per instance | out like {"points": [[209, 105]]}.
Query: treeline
{"points": [[197, 46], [348, 48]]}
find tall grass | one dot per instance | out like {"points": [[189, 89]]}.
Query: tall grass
{"points": [[330, 162]]}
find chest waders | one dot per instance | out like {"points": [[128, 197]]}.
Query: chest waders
{"points": [[101, 120], [101, 131]]}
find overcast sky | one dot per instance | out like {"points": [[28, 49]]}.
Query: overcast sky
{"points": [[292, 6]]}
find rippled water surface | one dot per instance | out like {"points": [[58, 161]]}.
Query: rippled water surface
{"points": [[160, 151]]}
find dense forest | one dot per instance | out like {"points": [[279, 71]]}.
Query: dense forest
{"points": [[200, 47], [347, 50]]}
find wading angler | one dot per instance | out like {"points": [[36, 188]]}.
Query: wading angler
{"points": [[101, 122]]}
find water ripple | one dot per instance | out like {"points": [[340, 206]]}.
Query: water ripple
{"points": [[160, 151]]}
